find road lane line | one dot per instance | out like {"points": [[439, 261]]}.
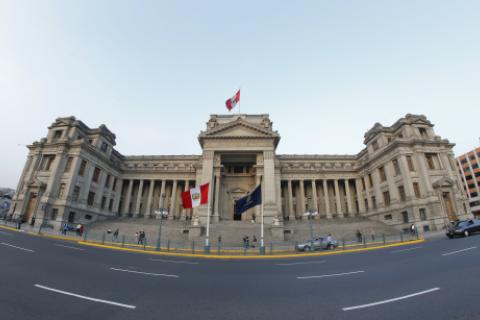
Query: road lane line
{"points": [[330, 275], [390, 300], [299, 263], [85, 297], [173, 261], [147, 273], [11, 245], [5, 233], [458, 251], [409, 249], [70, 247]]}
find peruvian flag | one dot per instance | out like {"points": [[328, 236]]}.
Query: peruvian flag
{"points": [[232, 102], [195, 196]]}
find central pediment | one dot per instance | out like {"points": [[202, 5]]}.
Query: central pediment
{"points": [[239, 128]]}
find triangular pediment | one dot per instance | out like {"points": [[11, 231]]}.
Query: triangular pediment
{"points": [[444, 182], [237, 129]]}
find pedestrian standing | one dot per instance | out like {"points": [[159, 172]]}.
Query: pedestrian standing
{"points": [[372, 234], [115, 235], [137, 237], [359, 236]]}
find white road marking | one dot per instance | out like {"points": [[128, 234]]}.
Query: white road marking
{"points": [[64, 246], [86, 298], [173, 261], [409, 249], [458, 251], [5, 233], [299, 263], [147, 273], [390, 300], [330, 275], [11, 245]]}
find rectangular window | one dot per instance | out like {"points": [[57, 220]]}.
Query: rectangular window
{"points": [[363, 184], [104, 200], [374, 203], [91, 198], [430, 161], [47, 162], [71, 217], [114, 183], [110, 205], [81, 170], [416, 190], [401, 192], [370, 180], [57, 134], [423, 132], [68, 165], [375, 145], [104, 147], [76, 193], [386, 198], [388, 217], [96, 174], [410, 164], [381, 172], [405, 216], [426, 228], [88, 217], [423, 214], [396, 167], [54, 214]]}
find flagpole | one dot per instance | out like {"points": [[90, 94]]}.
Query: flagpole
{"points": [[262, 242], [207, 236]]}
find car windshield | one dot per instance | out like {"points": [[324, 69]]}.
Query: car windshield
{"points": [[461, 224]]}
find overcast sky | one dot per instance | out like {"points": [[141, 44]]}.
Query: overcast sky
{"points": [[153, 71]]}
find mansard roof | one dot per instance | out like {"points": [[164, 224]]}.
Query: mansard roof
{"points": [[409, 119]]}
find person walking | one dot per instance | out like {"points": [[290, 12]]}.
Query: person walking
{"points": [[115, 235], [359, 236], [254, 241], [137, 237], [372, 234]]}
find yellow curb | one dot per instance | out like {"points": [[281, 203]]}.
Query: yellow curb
{"points": [[39, 234], [215, 256]]}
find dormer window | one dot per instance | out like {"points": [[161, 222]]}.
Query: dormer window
{"points": [[423, 132], [57, 134], [104, 147], [375, 145]]}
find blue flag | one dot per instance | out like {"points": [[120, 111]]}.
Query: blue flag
{"points": [[251, 200]]}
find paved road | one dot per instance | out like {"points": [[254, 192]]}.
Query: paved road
{"points": [[50, 279]]}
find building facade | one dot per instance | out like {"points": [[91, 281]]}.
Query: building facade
{"points": [[469, 169], [406, 174]]}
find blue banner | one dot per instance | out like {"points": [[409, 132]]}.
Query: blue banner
{"points": [[251, 200]]}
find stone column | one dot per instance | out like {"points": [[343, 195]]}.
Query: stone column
{"points": [[394, 194], [423, 173], [337, 199], [376, 188], [216, 213], [291, 213], [118, 195], [270, 209], [327, 199], [206, 176], [126, 205], [148, 211], [367, 193], [55, 175], [139, 198], [349, 198], [407, 179], [358, 188], [161, 203], [315, 198], [87, 183], [173, 200], [258, 180], [302, 200]]}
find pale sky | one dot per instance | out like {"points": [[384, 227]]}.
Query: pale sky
{"points": [[153, 71]]}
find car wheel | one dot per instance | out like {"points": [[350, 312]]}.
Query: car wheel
{"points": [[307, 249], [450, 236], [466, 233]]}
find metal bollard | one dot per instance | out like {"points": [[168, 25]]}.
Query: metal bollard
{"points": [[168, 245], [158, 244], [193, 247], [343, 244], [123, 241], [401, 236], [271, 248], [103, 238], [384, 239]]}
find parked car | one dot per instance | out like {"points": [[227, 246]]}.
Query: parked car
{"points": [[317, 244], [463, 228]]}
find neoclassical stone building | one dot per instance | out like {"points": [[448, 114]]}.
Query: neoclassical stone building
{"points": [[405, 174]]}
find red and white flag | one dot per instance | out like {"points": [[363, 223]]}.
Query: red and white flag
{"points": [[233, 101], [195, 196]]}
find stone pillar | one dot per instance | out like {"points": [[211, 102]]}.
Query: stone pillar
{"points": [[87, 183], [148, 211], [315, 198], [302, 200], [118, 196], [55, 175], [327, 199], [173, 200], [394, 194], [423, 173], [258, 180], [291, 213], [139, 198], [349, 198], [367, 193], [270, 209], [358, 189], [407, 179], [216, 213], [126, 205], [376, 188], [337, 199], [161, 199]]}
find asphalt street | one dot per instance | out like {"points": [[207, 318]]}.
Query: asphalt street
{"points": [[42, 278]]}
